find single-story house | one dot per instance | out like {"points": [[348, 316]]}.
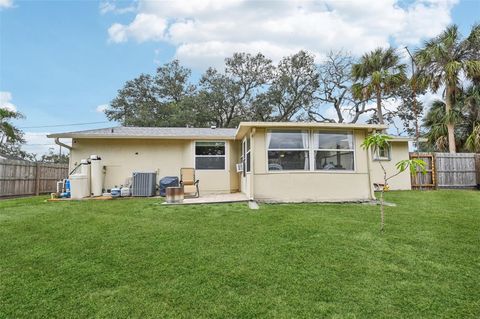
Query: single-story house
{"points": [[267, 161]]}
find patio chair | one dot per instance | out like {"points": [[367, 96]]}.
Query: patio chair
{"points": [[188, 182]]}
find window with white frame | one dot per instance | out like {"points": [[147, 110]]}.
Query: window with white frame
{"points": [[288, 150], [245, 157], [210, 155], [333, 151], [382, 153], [242, 156], [247, 154]]}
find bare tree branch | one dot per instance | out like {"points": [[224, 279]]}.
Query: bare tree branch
{"points": [[334, 89]]}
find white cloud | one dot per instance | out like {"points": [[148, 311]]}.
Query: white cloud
{"points": [[117, 33], [204, 32], [145, 27], [101, 108], [6, 3], [425, 19], [111, 6], [106, 7], [5, 101]]}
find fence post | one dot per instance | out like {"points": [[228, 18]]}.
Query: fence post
{"points": [[37, 178], [477, 167]]}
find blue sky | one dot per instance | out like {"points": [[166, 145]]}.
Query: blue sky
{"points": [[61, 60]]}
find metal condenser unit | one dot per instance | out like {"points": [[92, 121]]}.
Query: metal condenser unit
{"points": [[144, 184]]}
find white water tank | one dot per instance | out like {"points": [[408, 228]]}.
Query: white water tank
{"points": [[84, 167], [96, 172], [80, 181], [80, 186]]}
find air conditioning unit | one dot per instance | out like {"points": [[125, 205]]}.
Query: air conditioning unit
{"points": [[239, 167], [144, 184]]}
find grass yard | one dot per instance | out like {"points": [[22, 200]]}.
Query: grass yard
{"points": [[137, 258]]}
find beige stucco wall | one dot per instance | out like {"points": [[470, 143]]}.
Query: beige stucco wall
{"points": [[165, 157], [302, 186], [399, 151]]}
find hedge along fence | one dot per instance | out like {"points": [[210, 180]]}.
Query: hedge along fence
{"points": [[21, 178], [445, 170]]}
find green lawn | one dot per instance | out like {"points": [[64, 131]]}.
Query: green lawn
{"points": [[138, 258]]}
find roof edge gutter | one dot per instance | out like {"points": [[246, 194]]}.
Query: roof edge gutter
{"points": [[198, 137], [57, 141]]}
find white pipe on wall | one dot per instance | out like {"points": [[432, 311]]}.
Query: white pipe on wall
{"points": [[57, 141]]}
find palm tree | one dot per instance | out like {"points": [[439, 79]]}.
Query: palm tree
{"points": [[465, 115], [417, 84], [377, 74], [470, 125], [444, 59], [434, 122]]}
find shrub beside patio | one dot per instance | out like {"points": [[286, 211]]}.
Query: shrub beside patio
{"points": [[138, 258]]}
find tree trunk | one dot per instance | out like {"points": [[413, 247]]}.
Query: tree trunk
{"points": [[415, 112], [379, 108], [450, 125], [339, 112], [382, 212]]}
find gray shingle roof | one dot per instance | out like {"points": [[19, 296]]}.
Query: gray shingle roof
{"points": [[151, 132]]}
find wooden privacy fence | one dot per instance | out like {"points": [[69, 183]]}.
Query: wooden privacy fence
{"points": [[427, 180], [477, 166], [19, 178], [445, 170], [456, 170]]}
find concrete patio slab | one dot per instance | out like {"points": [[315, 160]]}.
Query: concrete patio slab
{"points": [[213, 198]]}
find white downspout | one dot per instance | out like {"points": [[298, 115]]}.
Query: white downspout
{"points": [[57, 141], [369, 161], [252, 159]]}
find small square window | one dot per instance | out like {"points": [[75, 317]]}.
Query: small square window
{"points": [[382, 153]]}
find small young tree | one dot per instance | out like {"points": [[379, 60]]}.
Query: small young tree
{"points": [[373, 143]]}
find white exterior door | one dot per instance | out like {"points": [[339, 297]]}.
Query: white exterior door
{"points": [[246, 160]]}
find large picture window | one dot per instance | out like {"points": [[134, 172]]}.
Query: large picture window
{"points": [[288, 150], [333, 151], [210, 155]]}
